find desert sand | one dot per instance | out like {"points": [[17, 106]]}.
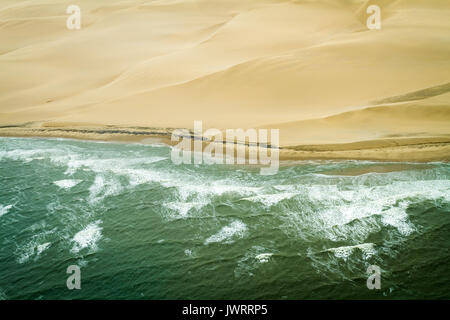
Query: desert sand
{"points": [[138, 69]]}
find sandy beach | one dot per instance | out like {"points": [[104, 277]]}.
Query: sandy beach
{"points": [[136, 70]]}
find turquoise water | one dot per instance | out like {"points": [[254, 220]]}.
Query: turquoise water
{"points": [[141, 227]]}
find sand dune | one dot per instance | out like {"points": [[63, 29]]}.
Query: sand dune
{"points": [[310, 68], [408, 119]]}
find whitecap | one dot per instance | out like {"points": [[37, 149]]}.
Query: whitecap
{"points": [[226, 234], [114, 165], [367, 249], [88, 237], [263, 257], [102, 188], [351, 212], [42, 247], [4, 209], [67, 183], [32, 249], [183, 208], [253, 259]]}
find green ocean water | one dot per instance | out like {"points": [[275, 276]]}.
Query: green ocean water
{"points": [[141, 227]]}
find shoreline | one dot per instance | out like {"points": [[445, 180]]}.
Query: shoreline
{"points": [[407, 149], [334, 88]]}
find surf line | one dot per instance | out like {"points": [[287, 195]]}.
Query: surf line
{"points": [[251, 142]]}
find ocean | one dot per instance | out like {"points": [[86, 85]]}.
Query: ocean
{"points": [[140, 227]]}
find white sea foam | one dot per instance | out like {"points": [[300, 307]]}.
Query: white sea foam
{"points": [[142, 176], [117, 165], [32, 249], [356, 207], [264, 257], [42, 247], [26, 253], [96, 188], [4, 209], [237, 229], [344, 252], [183, 208], [22, 155], [102, 188], [398, 218], [67, 183], [254, 258], [353, 212], [88, 237]]}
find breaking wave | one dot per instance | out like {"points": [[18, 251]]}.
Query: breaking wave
{"points": [[335, 222], [88, 237], [67, 183], [236, 229]]}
